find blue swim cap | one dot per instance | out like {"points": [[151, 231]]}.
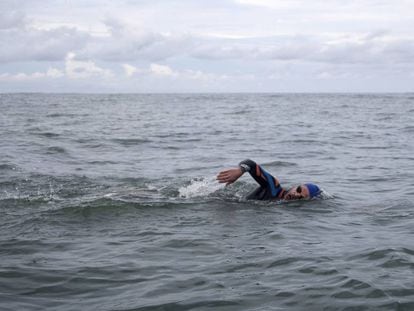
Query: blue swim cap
{"points": [[313, 190]]}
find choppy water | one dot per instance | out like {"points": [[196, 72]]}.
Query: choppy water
{"points": [[108, 202]]}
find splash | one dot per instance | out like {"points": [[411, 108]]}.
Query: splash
{"points": [[200, 187], [325, 195]]}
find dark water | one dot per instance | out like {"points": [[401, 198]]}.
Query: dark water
{"points": [[108, 202]]}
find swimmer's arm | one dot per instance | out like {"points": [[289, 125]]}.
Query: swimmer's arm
{"points": [[230, 176], [263, 178]]}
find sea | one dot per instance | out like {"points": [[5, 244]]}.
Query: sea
{"points": [[110, 202]]}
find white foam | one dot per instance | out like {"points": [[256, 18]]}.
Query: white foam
{"points": [[325, 195], [200, 187]]}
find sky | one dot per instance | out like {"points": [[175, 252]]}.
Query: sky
{"points": [[179, 46]]}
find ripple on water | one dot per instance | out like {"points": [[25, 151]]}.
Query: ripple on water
{"points": [[46, 134], [7, 167], [279, 164], [125, 240], [408, 129], [130, 141], [56, 150]]}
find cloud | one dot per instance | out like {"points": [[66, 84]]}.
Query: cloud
{"points": [[33, 44], [377, 47], [266, 3], [12, 19], [52, 73], [76, 69], [166, 72], [322, 5], [113, 25], [129, 70], [213, 42], [125, 43], [161, 70]]}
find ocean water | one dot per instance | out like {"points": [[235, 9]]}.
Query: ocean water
{"points": [[109, 202]]}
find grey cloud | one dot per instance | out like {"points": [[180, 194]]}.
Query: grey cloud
{"points": [[400, 51], [39, 45], [222, 51], [12, 19], [369, 50], [372, 48], [125, 44], [115, 26], [12, 5], [21, 42]]}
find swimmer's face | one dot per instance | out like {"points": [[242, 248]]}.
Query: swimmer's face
{"points": [[297, 193]]}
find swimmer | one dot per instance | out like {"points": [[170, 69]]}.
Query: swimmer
{"points": [[270, 188]]}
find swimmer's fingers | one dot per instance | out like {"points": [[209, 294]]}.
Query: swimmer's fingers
{"points": [[229, 176], [225, 174], [223, 177]]}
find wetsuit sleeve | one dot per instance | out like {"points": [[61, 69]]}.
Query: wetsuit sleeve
{"points": [[262, 177]]}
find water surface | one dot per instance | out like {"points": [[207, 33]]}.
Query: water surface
{"points": [[108, 202]]}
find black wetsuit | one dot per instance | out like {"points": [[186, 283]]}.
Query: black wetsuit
{"points": [[269, 189]]}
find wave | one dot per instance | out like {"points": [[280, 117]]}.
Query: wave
{"points": [[173, 135], [279, 163], [92, 143], [102, 162], [408, 128], [305, 141], [56, 150], [386, 257], [70, 115], [77, 192], [47, 134], [130, 141], [24, 201], [200, 187], [7, 167], [108, 202], [325, 195], [373, 147], [44, 188]]}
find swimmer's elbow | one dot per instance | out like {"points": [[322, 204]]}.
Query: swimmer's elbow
{"points": [[247, 165]]}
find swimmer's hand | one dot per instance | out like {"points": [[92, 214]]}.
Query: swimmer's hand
{"points": [[229, 176]]}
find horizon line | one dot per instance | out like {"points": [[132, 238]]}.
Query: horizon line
{"points": [[190, 93]]}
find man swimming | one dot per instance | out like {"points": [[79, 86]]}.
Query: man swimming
{"points": [[270, 188]]}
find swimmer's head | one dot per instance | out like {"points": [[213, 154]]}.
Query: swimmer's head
{"points": [[304, 191], [313, 189]]}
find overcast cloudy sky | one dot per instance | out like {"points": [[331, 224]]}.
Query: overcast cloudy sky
{"points": [[207, 46]]}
